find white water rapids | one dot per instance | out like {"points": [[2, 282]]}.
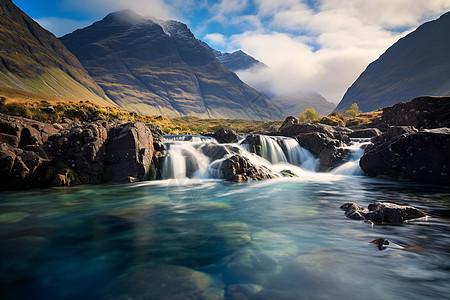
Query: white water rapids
{"points": [[185, 158]]}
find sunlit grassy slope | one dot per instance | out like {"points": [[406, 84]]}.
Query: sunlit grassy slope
{"points": [[33, 59]]}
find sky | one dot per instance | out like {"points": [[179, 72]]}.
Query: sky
{"points": [[309, 45]]}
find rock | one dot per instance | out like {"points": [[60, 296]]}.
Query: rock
{"points": [[296, 129], [288, 173], [235, 234], [421, 112], [329, 150], [365, 133], [381, 243], [158, 282], [9, 139], [253, 144], [420, 156], [393, 132], [129, 152], [250, 265], [215, 151], [7, 159], [382, 212], [239, 169], [30, 136], [50, 109], [289, 121], [225, 136], [242, 291]]}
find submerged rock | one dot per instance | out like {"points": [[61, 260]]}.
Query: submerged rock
{"points": [[158, 282], [382, 212]]}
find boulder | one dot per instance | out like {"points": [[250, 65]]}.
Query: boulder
{"points": [[296, 129], [382, 212], [365, 133], [289, 121], [215, 151], [329, 150], [82, 148], [239, 169], [253, 144], [420, 156], [421, 112], [129, 153], [225, 136], [393, 132]]}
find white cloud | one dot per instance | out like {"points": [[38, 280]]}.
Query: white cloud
{"points": [[340, 38], [216, 39], [61, 26]]}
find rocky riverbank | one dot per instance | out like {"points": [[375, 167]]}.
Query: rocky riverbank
{"points": [[410, 141], [36, 154]]}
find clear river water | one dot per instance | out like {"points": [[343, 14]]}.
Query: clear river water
{"points": [[204, 238]]}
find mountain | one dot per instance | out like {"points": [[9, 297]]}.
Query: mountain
{"points": [[293, 105], [158, 67], [417, 65], [235, 61], [289, 104], [34, 60]]}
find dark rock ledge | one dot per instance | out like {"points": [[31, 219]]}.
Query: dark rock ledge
{"points": [[36, 154]]}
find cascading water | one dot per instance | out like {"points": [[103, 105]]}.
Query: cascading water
{"points": [[190, 156], [297, 155], [183, 158], [351, 167], [271, 150]]}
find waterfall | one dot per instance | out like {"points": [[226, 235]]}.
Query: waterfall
{"points": [[271, 150], [184, 160], [297, 155], [351, 167], [191, 156]]}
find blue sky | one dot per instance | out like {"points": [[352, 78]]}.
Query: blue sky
{"points": [[310, 45]]}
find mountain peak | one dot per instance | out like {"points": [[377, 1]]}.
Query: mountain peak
{"points": [[124, 16]]}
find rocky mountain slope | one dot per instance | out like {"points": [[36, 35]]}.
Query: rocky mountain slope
{"points": [[34, 60], [418, 64], [237, 60], [158, 67]]}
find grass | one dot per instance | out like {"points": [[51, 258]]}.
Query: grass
{"points": [[36, 106]]}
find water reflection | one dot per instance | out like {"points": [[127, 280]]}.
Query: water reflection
{"points": [[279, 239]]}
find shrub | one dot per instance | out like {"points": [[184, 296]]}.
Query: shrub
{"points": [[308, 115], [354, 111]]}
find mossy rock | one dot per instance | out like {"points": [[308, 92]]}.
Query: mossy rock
{"points": [[332, 121], [58, 173]]}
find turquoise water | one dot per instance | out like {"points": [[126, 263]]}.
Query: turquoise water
{"points": [[207, 239]]}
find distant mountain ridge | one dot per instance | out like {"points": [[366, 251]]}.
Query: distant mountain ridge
{"points": [[158, 67], [34, 60], [235, 61], [289, 103], [416, 65]]}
